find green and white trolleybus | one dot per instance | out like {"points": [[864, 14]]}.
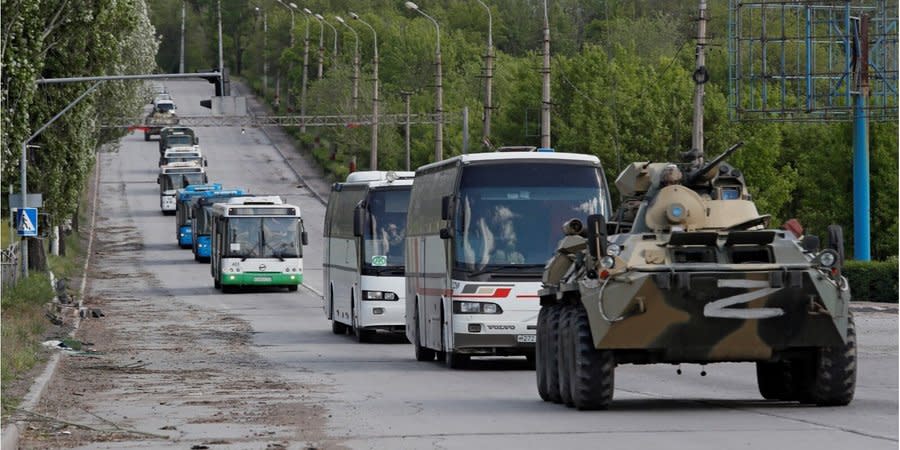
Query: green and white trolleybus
{"points": [[257, 241], [363, 257]]}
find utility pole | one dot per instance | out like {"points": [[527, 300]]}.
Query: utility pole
{"points": [[488, 75], [701, 76], [406, 95], [181, 62], [465, 130], [545, 89], [305, 73], [221, 63]]}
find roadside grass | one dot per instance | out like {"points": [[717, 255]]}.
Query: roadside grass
{"points": [[6, 234], [24, 324]]}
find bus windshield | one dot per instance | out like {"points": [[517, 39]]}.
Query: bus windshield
{"points": [[178, 139], [186, 157], [173, 181], [263, 237], [385, 230], [165, 107], [203, 220], [510, 216]]}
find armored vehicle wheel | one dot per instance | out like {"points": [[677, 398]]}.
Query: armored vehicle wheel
{"points": [[540, 352], [833, 380], [565, 355], [775, 380], [593, 374], [550, 358]]}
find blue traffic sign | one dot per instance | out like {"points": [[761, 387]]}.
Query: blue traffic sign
{"points": [[26, 221]]}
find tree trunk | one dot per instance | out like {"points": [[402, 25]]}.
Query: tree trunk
{"points": [[54, 240], [37, 256]]}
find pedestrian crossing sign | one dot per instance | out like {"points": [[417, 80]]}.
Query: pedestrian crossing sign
{"points": [[26, 222]]}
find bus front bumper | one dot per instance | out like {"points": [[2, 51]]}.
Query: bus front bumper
{"points": [[261, 279], [185, 238]]}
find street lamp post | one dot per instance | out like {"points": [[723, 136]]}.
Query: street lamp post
{"points": [[439, 90], [355, 62], [291, 64], [221, 63], [181, 60], [334, 51], [305, 71], [265, 51], [373, 153], [321, 40], [488, 75]]}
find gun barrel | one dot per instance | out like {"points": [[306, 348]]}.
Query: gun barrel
{"points": [[712, 164]]}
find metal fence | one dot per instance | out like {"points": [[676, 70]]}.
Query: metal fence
{"points": [[9, 265]]}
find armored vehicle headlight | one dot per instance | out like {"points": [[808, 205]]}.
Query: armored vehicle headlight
{"points": [[827, 258], [613, 249], [607, 262]]}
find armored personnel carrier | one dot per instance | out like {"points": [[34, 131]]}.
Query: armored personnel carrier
{"points": [[690, 273]]}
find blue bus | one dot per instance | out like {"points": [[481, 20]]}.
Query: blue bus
{"points": [[183, 210], [201, 223]]}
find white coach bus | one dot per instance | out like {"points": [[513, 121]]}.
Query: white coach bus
{"points": [[363, 263], [479, 231], [256, 241], [175, 176]]}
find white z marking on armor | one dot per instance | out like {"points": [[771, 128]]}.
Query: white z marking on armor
{"points": [[720, 308]]}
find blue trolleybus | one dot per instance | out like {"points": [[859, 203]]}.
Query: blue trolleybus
{"points": [[201, 219], [183, 213]]}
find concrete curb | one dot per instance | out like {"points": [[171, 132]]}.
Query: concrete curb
{"points": [[11, 432]]}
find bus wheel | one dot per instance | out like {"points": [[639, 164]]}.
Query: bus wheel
{"points": [[146, 136], [422, 353], [336, 327], [227, 288], [217, 284], [455, 360]]}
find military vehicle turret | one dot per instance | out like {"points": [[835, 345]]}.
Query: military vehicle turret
{"points": [[690, 273]]}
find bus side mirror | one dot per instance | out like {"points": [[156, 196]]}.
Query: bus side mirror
{"points": [[359, 220], [446, 233], [196, 140], [205, 163], [304, 239], [596, 235], [446, 207]]}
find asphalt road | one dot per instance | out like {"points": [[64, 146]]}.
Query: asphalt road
{"points": [[377, 396]]}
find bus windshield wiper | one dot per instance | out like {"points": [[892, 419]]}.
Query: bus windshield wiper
{"points": [[503, 267]]}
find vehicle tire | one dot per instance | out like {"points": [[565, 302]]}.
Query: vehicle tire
{"points": [[422, 353], [540, 353], [217, 284], [361, 334], [775, 380], [834, 375], [551, 356], [293, 288], [227, 289], [836, 241], [455, 360], [146, 136], [564, 363], [593, 372], [196, 257], [336, 327]]}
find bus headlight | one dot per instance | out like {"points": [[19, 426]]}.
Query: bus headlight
{"points": [[379, 295], [476, 308]]}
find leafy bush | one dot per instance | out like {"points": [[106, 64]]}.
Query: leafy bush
{"points": [[874, 281]]}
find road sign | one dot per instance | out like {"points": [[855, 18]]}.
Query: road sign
{"points": [[26, 222], [34, 200]]}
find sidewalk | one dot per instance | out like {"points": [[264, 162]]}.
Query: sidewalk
{"points": [[302, 163]]}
